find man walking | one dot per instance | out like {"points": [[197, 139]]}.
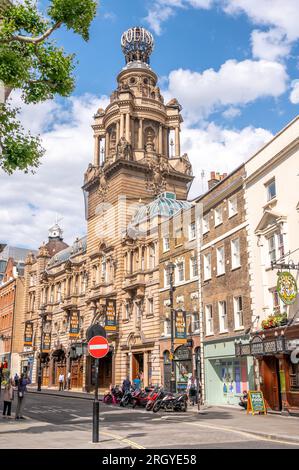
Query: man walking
{"points": [[21, 390], [61, 382]]}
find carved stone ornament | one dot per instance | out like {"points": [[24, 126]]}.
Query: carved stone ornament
{"points": [[187, 167], [124, 149], [157, 182], [103, 186]]}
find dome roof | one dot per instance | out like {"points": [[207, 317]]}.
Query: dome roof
{"points": [[69, 251], [164, 206], [55, 246]]}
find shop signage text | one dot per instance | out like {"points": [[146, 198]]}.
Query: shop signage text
{"points": [[180, 327], [74, 324], [28, 334], [110, 323]]}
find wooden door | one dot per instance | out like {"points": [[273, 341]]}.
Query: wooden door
{"points": [[46, 374], [60, 368], [77, 373], [270, 386], [105, 371]]}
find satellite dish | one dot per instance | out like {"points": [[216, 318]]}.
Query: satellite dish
{"points": [[95, 330]]}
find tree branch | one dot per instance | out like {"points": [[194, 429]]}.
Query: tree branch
{"points": [[29, 40]]}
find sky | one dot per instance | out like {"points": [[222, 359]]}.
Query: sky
{"points": [[232, 64]]}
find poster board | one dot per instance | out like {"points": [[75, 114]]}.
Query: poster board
{"points": [[256, 403]]}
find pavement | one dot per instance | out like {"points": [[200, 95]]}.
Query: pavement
{"points": [[64, 421]]}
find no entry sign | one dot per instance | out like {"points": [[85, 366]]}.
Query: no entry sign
{"points": [[98, 347]]}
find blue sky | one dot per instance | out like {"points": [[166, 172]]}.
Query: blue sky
{"points": [[232, 64]]}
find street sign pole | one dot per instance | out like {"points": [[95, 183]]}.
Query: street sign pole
{"points": [[98, 347], [96, 407]]}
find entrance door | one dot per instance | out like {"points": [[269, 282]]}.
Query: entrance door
{"points": [[271, 383], [137, 365], [77, 373], [45, 374], [60, 368], [105, 371]]}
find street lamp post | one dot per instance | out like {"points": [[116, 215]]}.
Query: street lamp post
{"points": [[171, 267], [39, 373]]}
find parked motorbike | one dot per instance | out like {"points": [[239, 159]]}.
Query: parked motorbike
{"points": [[156, 394], [140, 397], [171, 402], [113, 397], [127, 398]]}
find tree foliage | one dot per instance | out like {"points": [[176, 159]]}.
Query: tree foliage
{"points": [[31, 61]]}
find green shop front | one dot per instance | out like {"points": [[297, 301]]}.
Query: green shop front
{"points": [[226, 376]]}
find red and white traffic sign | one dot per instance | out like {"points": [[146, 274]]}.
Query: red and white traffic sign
{"points": [[98, 347]]}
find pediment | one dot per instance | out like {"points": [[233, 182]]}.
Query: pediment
{"points": [[269, 219]]}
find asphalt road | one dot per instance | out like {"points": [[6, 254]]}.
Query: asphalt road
{"points": [[164, 430]]}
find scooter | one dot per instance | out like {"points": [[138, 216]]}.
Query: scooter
{"points": [[113, 397], [172, 403], [140, 398], [156, 394], [127, 398]]}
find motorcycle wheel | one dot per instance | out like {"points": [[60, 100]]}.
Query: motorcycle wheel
{"points": [[157, 406], [107, 399], [149, 406]]}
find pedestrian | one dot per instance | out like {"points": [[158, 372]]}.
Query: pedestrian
{"points": [[68, 379], [244, 400], [16, 379], [21, 390], [137, 382], [192, 390], [8, 395], [126, 384], [61, 381]]}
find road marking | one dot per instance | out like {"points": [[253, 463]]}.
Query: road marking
{"points": [[243, 433], [122, 439]]}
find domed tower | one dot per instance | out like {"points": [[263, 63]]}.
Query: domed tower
{"points": [[137, 137]]}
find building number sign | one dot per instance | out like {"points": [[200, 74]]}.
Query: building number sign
{"points": [[287, 288]]}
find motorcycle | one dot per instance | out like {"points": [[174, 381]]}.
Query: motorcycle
{"points": [[113, 397], [140, 398], [127, 398], [156, 394], [172, 403]]}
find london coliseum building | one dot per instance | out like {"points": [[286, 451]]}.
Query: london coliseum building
{"points": [[137, 179]]}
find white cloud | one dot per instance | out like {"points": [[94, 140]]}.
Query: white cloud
{"points": [[294, 95], [29, 203], [161, 10], [214, 148], [282, 14], [231, 112], [236, 83], [270, 45]]}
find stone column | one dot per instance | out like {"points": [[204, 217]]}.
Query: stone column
{"points": [[117, 131], [140, 134], [107, 144], [161, 139], [166, 147], [145, 369], [96, 160], [177, 142], [133, 133], [128, 118], [122, 124]]}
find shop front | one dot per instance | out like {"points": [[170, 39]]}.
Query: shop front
{"points": [[226, 376], [277, 353]]}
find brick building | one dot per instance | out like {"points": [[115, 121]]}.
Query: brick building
{"points": [[225, 293]]}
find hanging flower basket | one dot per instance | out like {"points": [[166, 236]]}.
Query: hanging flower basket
{"points": [[274, 321]]}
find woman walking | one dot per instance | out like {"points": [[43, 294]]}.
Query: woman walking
{"points": [[8, 398]]}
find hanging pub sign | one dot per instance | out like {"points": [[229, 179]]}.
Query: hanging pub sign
{"points": [[46, 343], [110, 321], [180, 327], [28, 334], [74, 324], [287, 287]]}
